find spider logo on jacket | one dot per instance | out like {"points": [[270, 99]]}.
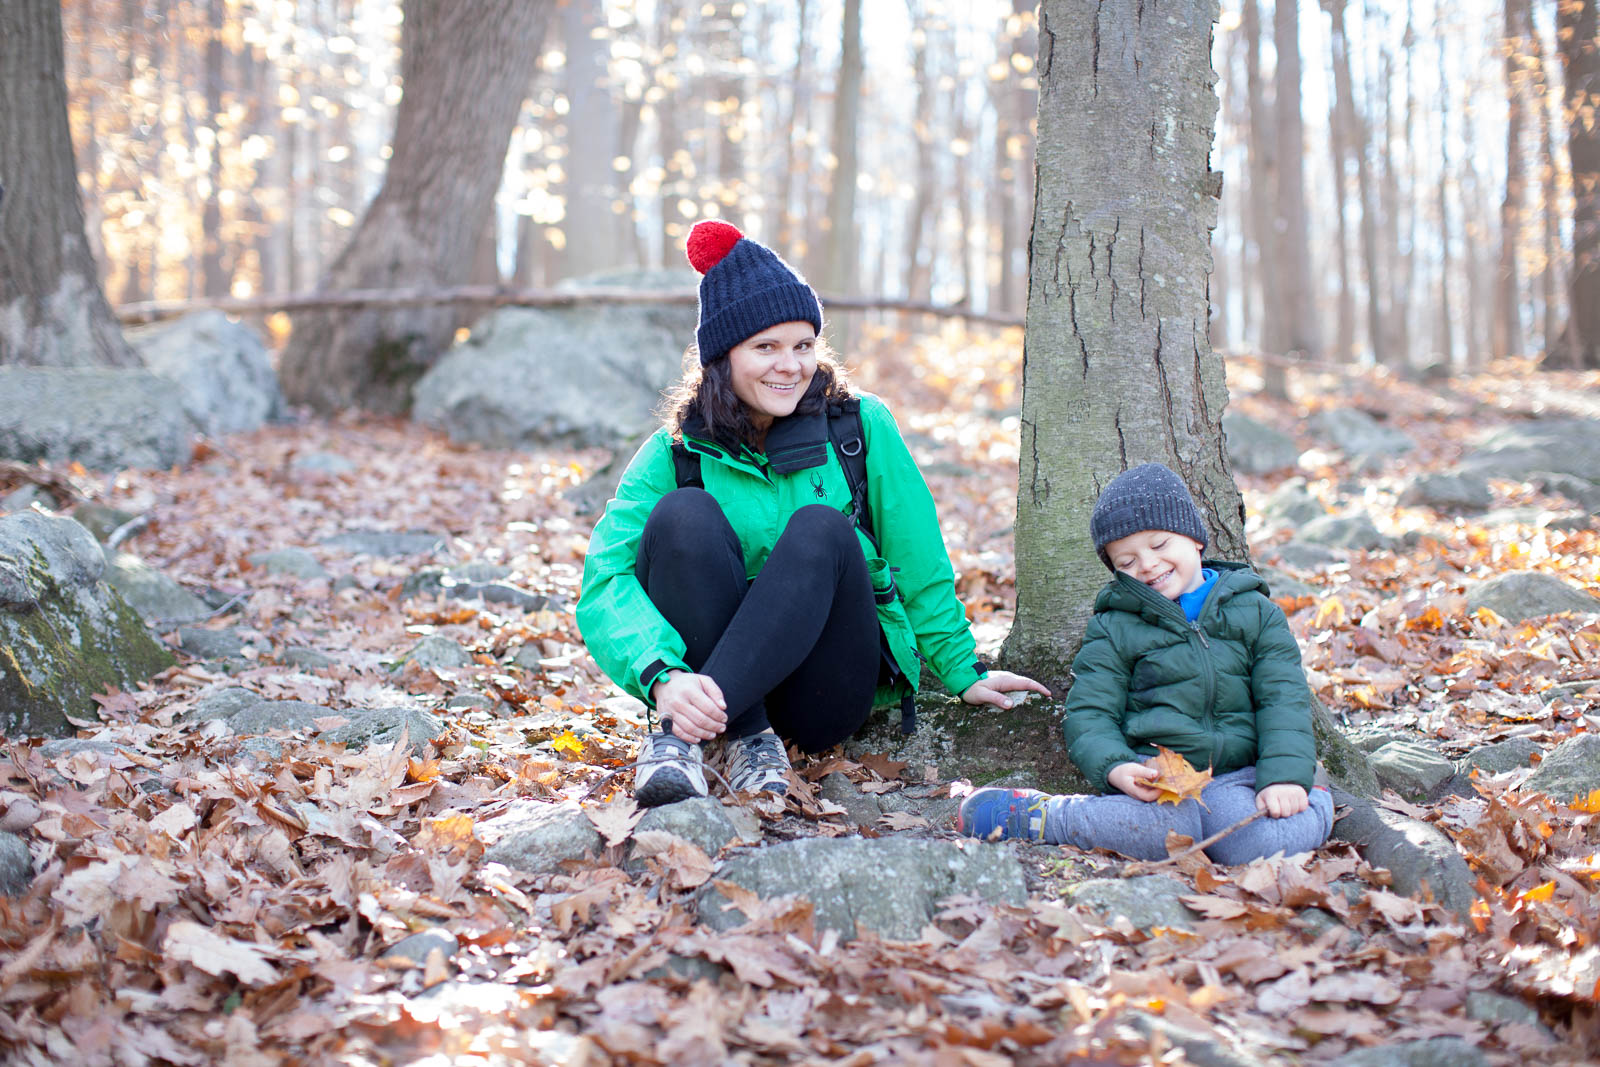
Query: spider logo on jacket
{"points": [[818, 488]]}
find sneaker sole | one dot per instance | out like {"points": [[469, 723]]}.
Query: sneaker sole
{"points": [[666, 786]]}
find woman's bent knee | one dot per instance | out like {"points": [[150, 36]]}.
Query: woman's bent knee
{"points": [[687, 524]]}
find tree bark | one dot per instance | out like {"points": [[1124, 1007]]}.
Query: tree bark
{"points": [[593, 237], [52, 309], [1117, 369], [918, 258], [1263, 185], [1298, 296], [1355, 128], [1580, 60], [465, 65], [1508, 340], [840, 260]]}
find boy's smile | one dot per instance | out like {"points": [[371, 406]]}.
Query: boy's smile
{"points": [[1168, 563]]}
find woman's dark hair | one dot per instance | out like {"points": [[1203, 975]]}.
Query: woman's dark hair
{"points": [[705, 394]]}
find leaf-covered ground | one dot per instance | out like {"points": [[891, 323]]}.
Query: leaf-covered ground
{"points": [[201, 903]]}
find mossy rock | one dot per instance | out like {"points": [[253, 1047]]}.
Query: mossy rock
{"points": [[64, 633]]}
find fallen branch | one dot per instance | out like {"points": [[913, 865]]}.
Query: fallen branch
{"points": [[1199, 846]]}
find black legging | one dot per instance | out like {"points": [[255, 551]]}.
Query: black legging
{"points": [[797, 648]]}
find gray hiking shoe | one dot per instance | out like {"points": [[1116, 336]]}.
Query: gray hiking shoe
{"points": [[758, 764], [670, 769]]}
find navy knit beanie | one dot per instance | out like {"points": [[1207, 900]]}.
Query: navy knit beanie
{"points": [[1146, 497], [745, 288]]}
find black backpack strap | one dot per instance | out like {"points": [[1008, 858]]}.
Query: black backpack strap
{"points": [[686, 465], [850, 443]]}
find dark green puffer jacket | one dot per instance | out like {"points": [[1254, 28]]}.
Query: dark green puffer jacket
{"points": [[1224, 691]]}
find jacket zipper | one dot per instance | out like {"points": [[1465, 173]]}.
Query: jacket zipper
{"points": [[1207, 719]]}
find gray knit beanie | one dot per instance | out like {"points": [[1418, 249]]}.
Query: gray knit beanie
{"points": [[1146, 497], [745, 288]]}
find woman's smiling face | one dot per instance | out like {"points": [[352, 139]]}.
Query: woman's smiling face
{"points": [[771, 370]]}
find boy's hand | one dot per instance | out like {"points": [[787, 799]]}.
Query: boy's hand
{"points": [[1134, 779], [693, 702], [995, 687], [1283, 800]]}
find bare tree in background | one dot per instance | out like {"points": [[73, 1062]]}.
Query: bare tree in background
{"points": [[466, 65], [1580, 59], [1117, 368], [52, 309], [1355, 136], [1295, 331]]}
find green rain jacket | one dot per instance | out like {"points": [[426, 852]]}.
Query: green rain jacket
{"points": [[758, 492], [1224, 691]]}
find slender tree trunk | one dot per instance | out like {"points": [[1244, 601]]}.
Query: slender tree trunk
{"points": [[1344, 324], [918, 261], [1117, 369], [593, 239], [215, 275], [843, 255], [1580, 58], [1508, 339], [465, 67], [1544, 98], [1402, 279], [1447, 355], [1299, 296], [1475, 212], [52, 309], [785, 233], [1356, 132], [1263, 184]]}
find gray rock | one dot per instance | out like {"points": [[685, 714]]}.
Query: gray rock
{"points": [[1199, 1049], [74, 746], [862, 809], [1528, 595], [502, 593], [210, 644], [1568, 771], [1301, 556], [224, 378], [382, 726], [1282, 583], [1346, 765], [1573, 692], [1419, 857], [1369, 737], [586, 375], [223, 704], [1512, 754], [67, 635], [100, 519], [1415, 771], [1291, 505], [700, 820], [436, 650], [1145, 901], [1432, 1052], [888, 885], [289, 716], [322, 463], [473, 581], [1454, 493], [262, 750], [104, 418], [1523, 450], [386, 543], [1256, 448], [25, 497], [416, 949], [1353, 532], [16, 865], [1581, 491], [1355, 432], [307, 658], [156, 597], [537, 838], [292, 561], [1487, 1007]]}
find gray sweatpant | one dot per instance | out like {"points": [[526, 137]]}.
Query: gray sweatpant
{"points": [[1138, 829]]}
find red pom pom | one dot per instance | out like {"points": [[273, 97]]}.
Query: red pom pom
{"points": [[709, 241]]}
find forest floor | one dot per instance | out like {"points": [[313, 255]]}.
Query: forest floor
{"points": [[185, 914]]}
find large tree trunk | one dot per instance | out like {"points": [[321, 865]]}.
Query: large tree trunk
{"points": [[466, 65], [1117, 369], [52, 309], [1580, 58]]}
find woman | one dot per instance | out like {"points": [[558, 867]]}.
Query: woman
{"points": [[747, 604]]}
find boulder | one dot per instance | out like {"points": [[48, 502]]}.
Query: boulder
{"points": [[536, 838], [383, 726], [387, 542], [221, 369], [1301, 556], [1282, 584], [16, 865], [1413, 770], [1457, 494], [889, 885], [157, 598], [1356, 433], [1546, 446], [1581, 491], [64, 633], [104, 418], [101, 519], [203, 643], [1291, 505], [702, 821], [292, 561], [585, 375], [1256, 448], [1145, 901], [1429, 1052], [437, 650], [1501, 757], [414, 951], [1568, 771], [1353, 532], [1419, 857], [1530, 594], [1347, 765]]}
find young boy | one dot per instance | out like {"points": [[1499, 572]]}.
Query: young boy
{"points": [[1188, 654]]}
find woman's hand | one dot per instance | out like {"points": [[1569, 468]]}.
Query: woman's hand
{"points": [[993, 688], [1283, 800], [1134, 779], [694, 704]]}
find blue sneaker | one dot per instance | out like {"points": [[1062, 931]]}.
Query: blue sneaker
{"points": [[996, 813]]}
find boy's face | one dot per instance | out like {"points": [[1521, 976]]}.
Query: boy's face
{"points": [[1167, 562]]}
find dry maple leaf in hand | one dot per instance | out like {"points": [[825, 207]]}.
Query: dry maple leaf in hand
{"points": [[1178, 780]]}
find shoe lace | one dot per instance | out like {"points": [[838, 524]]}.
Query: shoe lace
{"points": [[765, 751]]}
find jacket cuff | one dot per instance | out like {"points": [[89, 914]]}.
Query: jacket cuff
{"points": [[960, 680], [645, 671]]}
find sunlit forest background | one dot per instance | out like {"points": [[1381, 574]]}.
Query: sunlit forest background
{"points": [[227, 147]]}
